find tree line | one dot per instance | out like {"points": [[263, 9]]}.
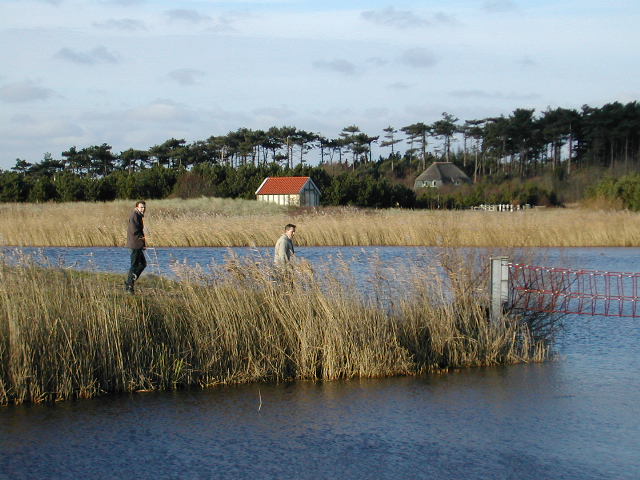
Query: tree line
{"points": [[349, 187], [520, 145]]}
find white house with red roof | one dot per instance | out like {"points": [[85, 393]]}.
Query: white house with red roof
{"points": [[295, 191]]}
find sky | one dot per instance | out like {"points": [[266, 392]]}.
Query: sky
{"points": [[134, 73]]}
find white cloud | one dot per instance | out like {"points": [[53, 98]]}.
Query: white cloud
{"points": [[338, 65], [221, 25], [390, 17], [418, 57], [92, 57], [399, 86], [377, 61], [377, 112], [406, 19], [124, 3], [186, 76], [499, 6], [218, 24], [493, 95], [186, 15], [39, 128], [25, 91], [527, 61], [445, 19], [281, 112], [123, 24], [161, 111]]}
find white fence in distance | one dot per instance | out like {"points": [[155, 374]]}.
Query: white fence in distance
{"points": [[502, 207]]}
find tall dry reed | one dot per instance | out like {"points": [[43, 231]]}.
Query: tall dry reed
{"points": [[218, 223], [65, 334]]}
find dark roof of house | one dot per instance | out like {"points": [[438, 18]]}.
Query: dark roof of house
{"points": [[446, 172], [283, 185]]}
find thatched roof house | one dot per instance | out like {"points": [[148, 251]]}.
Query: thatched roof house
{"points": [[441, 173]]}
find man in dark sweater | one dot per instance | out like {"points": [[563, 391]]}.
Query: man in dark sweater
{"points": [[136, 243]]}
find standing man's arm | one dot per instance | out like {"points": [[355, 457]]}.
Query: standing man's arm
{"points": [[140, 230], [290, 251], [142, 238], [280, 251]]}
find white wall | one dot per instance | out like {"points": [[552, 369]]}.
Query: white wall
{"points": [[309, 197], [280, 199]]}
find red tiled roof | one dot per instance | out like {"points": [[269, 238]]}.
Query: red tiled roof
{"points": [[282, 185]]}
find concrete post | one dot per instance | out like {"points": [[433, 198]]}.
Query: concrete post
{"points": [[499, 286]]}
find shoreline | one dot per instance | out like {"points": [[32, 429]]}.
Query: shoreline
{"points": [[211, 223], [82, 336], [14, 246]]}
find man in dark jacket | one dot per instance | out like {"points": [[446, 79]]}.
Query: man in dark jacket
{"points": [[136, 242]]}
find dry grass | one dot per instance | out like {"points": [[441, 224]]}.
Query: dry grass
{"points": [[603, 204], [216, 222], [66, 334]]}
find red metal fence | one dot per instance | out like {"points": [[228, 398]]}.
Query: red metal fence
{"points": [[581, 292]]}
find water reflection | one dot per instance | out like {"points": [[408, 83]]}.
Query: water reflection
{"points": [[510, 422], [163, 260]]}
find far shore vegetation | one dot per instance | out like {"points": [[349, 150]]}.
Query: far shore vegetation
{"points": [[557, 157], [211, 222], [66, 334]]}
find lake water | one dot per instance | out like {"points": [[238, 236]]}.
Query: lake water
{"points": [[574, 418]]}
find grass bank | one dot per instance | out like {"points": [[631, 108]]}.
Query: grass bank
{"points": [[228, 223], [66, 334]]}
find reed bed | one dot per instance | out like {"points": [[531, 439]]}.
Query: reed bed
{"points": [[66, 334], [228, 223]]}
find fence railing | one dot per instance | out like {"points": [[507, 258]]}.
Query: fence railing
{"points": [[564, 290]]}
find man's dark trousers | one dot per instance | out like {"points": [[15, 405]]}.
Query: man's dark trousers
{"points": [[138, 264]]}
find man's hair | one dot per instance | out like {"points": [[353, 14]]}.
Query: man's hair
{"points": [[289, 226], [141, 202]]}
